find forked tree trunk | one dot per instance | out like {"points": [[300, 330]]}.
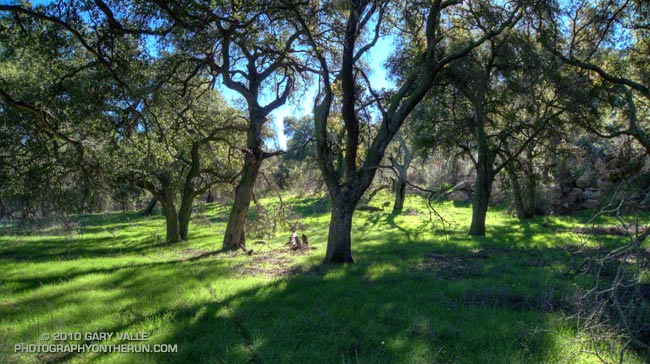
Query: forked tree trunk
{"points": [[339, 239], [235, 236], [400, 194], [401, 170], [482, 192]]}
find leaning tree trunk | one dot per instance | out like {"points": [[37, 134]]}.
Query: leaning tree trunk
{"points": [[482, 192], [372, 194], [235, 236], [400, 193], [150, 206], [339, 238]]}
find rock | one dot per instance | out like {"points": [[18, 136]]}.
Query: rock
{"points": [[590, 204], [570, 199], [614, 174], [604, 184], [591, 194], [458, 196], [555, 189], [583, 181]]}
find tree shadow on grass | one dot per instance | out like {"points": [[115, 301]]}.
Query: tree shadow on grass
{"points": [[76, 247], [21, 285], [380, 310], [323, 315], [332, 315], [410, 234]]}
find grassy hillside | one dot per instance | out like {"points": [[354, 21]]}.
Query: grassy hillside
{"points": [[417, 293]]}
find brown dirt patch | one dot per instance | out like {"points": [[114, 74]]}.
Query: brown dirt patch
{"points": [[450, 267], [272, 264]]}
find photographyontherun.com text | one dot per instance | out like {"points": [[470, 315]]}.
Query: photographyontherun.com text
{"points": [[59, 342]]}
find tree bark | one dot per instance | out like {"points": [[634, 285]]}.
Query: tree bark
{"points": [[400, 193], [210, 198], [531, 206], [401, 170], [235, 236], [171, 219], [531, 188], [188, 192], [150, 206], [484, 171], [184, 214], [482, 192], [339, 239]]}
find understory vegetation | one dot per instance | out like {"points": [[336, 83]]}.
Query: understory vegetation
{"points": [[420, 291]]}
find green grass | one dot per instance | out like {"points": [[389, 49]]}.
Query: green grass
{"points": [[417, 293]]}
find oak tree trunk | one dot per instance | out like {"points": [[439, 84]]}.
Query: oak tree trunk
{"points": [[339, 239], [482, 192], [184, 214], [235, 236], [171, 219], [400, 192], [531, 193]]}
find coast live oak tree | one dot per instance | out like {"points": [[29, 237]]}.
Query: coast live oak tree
{"points": [[611, 40], [147, 120], [492, 105], [52, 96], [339, 35], [501, 128], [178, 154], [251, 47]]}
